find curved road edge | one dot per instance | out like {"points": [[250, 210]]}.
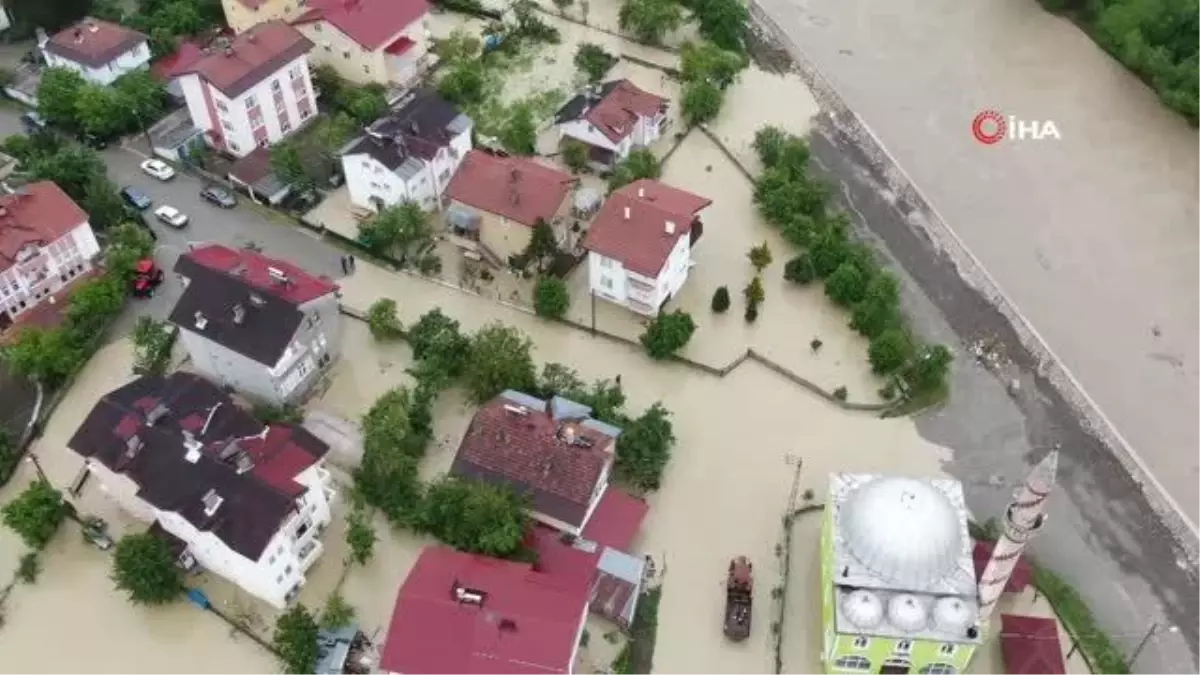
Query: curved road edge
{"points": [[972, 271]]}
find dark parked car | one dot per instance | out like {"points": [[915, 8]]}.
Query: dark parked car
{"points": [[135, 198], [33, 122], [219, 196], [92, 141]]}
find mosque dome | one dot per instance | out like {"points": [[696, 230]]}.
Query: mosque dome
{"points": [[952, 615], [904, 530], [906, 612], [862, 608]]}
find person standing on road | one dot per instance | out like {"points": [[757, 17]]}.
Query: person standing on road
{"points": [[345, 266], [352, 263]]}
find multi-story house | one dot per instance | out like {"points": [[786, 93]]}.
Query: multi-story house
{"points": [[409, 155], [248, 501], [242, 15], [264, 327], [640, 244], [465, 614], [613, 119], [251, 91], [46, 243], [369, 41], [100, 51], [495, 202]]}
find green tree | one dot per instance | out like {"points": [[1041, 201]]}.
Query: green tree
{"points": [[799, 270], [387, 479], [29, 567], [551, 299], [720, 300], [639, 164], [100, 111], [127, 244], [142, 98], [382, 320], [46, 356], [707, 62], [144, 567], [360, 536], [94, 305], [36, 514], [830, 248], [103, 205], [499, 358], [778, 149], [702, 102], [542, 246], [458, 46], [73, 167], [927, 370], [519, 132], [57, 95], [751, 314], [760, 256], [644, 447], [287, 163], [724, 22], [365, 104], [463, 83], [397, 231], [9, 455], [162, 43], [781, 199], [890, 350], [575, 155], [151, 346], [668, 333], [848, 284], [879, 308], [650, 20], [559, 380], [385, 424], [476, 517], [295, 640], [49, 14], [593, 61], [438, 344], [337, 612], [754, 293]]}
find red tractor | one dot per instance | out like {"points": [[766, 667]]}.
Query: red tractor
{"points": [[147, 277]]}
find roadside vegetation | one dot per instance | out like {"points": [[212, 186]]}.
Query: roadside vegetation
{"points": [[1157, 40], [36, 514], [145, 569], [798, 204], [132, 103]]}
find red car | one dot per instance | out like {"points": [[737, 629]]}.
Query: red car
{"points": [[147, 277]]}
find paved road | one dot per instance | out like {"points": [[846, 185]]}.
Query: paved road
{"points": [[1059, 219], [245, 225]]}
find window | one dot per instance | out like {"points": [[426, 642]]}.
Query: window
{"points": [[262, 142], [284, 126], [904, 647], [862, 642], [606, 282], [271, 560], [276, 87], [366, 68], [948, 650], [938, 669], [279, 579], [853, 663], [227, 125], [233, 146], [288, 570], [222, 107], [251, 101], [326, 47], [317, 27], [296, 73], [345, 53]]}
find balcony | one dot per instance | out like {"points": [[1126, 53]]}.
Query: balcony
{"points": [[638, 283], [309, 553], [641, 307]]}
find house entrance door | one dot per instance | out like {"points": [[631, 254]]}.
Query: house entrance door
{"points": [[896, 667]]}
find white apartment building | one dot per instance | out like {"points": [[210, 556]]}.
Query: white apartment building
{"points": [[640, 244], [261, 326], [410, 155], [247, 501], [612, 119], [252, 91], [100, 51], [46, 243]]}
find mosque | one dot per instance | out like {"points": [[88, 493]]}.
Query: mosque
{"points": [[898, 583]]}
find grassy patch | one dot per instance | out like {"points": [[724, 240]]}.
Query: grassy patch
{"points": [[920, 402], [1094, 644]]}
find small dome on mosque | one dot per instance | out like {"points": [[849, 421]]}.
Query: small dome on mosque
{"points": [[862, 608], [903, 530], [906, 612], [953, 615]]}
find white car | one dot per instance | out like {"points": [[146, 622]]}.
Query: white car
{"points": [[171, 216], [159, 169]]}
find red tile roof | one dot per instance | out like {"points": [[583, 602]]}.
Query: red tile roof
{"points": [[93, 42], [1030, 645], [37, 214], [527, 622], [631, 227], [528, 452], [278, 459], [514, 187], [617, 519], [179, 62], [616, 114], [251, 57], [370, 23], [254, 270], [1022, 572], [399, 46]]}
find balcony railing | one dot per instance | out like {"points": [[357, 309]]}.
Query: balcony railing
{"points": [[639, 283], [309, 553]]}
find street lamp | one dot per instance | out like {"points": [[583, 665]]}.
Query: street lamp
{"points": [[1149, 634], [33, 459]]}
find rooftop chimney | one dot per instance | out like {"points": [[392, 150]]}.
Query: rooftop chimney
{"points": [[239, 314], [78, 36], [514, 175], [627, 213], [568, 434], [160, 411], [516, 409], [92, 27], [641, 192], [468, 596], [201, 322], [212, 502], [670, 227], [278, 275]]}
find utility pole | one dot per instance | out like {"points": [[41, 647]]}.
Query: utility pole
{"points": [[593, 294], [33, 459], [796, 461]]}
